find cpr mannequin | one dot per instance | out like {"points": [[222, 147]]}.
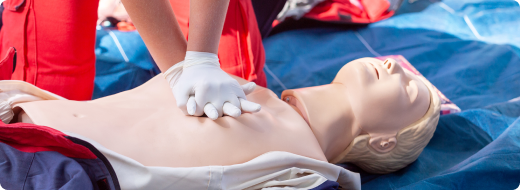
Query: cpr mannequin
{"points": [[375, 111]]}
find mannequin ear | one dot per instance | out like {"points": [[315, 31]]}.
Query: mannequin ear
{"points": [[383, 144]]}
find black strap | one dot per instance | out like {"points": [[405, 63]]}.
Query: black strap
{"points": [[14, 58]]}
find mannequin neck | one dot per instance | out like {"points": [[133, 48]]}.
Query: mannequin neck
{"points": [[327, 110]]}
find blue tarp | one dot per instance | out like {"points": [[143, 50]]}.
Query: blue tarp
{"points": [[469, 49], [122, 62]]}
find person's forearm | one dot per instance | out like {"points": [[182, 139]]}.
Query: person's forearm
{"points": [[206, 23], [157, 25]]}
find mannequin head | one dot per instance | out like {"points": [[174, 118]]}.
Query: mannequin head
{"points": [[374, 114]]}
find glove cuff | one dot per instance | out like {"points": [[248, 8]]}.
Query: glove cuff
{"points": [[196, 58], [173, 73], [192, 58]]}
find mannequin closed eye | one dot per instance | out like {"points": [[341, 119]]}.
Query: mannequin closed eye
{"points": [[377, 72]]}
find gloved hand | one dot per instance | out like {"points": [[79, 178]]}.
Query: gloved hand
{"points": [[200, 86]]}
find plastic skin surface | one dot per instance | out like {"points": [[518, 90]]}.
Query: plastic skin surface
{"points": [[145, 125], [319, 122]]}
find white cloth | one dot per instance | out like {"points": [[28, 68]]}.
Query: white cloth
{"points": [[9, 98], [272, 170], [14, 91]]}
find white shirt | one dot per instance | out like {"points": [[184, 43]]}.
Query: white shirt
{"points": [[272, 170]]}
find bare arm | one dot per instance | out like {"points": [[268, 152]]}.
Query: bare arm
{"points": [[206, 22], [157, 25]]}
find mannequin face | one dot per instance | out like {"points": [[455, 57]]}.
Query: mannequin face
{"points": [[382, 98], [383, 95]]}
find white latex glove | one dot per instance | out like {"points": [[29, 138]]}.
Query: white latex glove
{"points": [[201, 87]]}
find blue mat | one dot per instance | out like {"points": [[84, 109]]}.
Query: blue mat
{"points": [[469, 49]]}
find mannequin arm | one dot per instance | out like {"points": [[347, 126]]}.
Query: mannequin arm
{"points": [[157, 25]]}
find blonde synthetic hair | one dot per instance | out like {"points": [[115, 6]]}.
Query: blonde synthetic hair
{"points": [[411, 140]]}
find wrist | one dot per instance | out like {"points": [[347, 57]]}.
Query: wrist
{"points": [[197, 54], [192, 58], [173, 73], [196, 58]]}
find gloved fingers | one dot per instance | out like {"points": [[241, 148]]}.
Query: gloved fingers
{"points": [[181, 97], [230, 103], [249, 87], [233, 101], [191, 106], [231, 110], [199, 105], [211, 111], [248, 106], [203, 97], [199, 111]]}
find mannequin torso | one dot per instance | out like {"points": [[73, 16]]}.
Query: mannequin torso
{"points": [[142, 124]]}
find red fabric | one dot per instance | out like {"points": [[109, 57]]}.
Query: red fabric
{"points": [[241, 52], [34, 138], [13, 5], [55, 41], [344, 11], [125, 26], [6, 64]]}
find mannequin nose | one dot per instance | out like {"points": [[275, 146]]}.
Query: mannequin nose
{"points": [[390, 65]]}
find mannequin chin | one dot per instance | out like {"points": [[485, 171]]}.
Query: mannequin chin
{"points": [[370, 106]]}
